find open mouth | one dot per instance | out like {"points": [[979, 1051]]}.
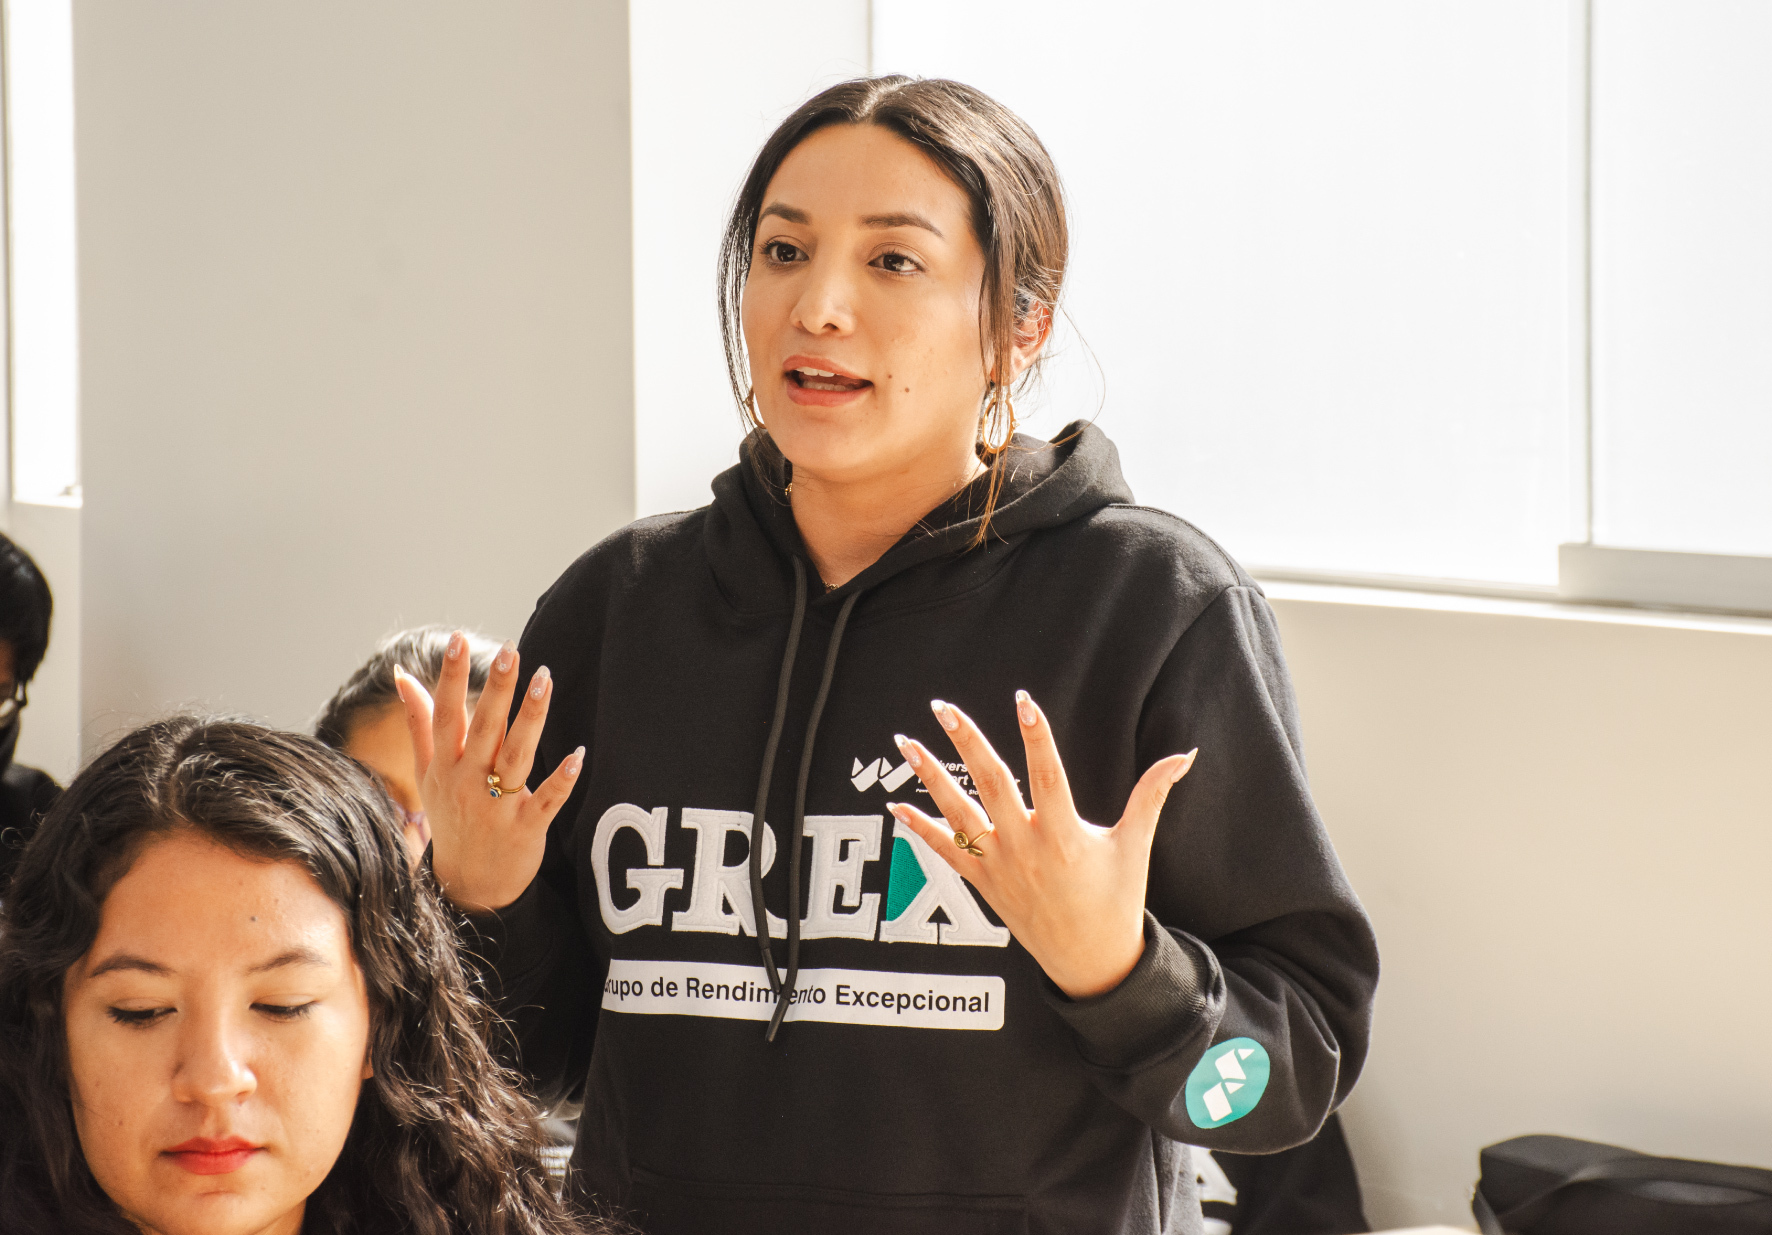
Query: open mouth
{"points": [[806, 377]]}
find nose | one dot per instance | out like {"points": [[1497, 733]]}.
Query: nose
{"points": [[214, 1066], [827, 303]]}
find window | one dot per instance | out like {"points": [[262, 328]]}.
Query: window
{"points": [[42, 319], [1414, 289]]}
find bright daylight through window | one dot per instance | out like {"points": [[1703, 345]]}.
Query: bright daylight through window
{"points": [[1386, 334], [43, 324]]}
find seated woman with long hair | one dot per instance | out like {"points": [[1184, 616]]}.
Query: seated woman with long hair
{"points": [[229, 1006]]}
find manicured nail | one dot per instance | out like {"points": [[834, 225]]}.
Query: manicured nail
{"points": [[1024, 708], [505, 655], [575, 763], [457, 642], [1187, 761], [538, 682], [907, 750], [949, 719]]}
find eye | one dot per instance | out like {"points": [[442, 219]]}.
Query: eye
{"points": [[137, 1016], [896, 263], [781, 253], [283, 1012]]}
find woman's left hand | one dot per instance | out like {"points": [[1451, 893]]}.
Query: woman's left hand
{"points": [[1072, 893]]}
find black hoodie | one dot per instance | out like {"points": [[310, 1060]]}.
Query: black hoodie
{"points": [[928, 1076]]}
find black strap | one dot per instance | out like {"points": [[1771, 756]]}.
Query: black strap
{"points": [[760, 911], [1643, 1169], [785, 995]]}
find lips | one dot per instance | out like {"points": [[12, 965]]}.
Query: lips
{"points": [[819, 382], [202, 1155]]}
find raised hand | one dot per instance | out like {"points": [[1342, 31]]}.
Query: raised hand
{"points": [[1072, 893], [485, 848]]}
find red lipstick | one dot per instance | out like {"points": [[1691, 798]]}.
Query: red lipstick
{"points": [[202, 1155]]}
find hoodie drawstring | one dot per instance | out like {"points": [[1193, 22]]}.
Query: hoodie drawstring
{"points": [[758, 909], [784, 988]]}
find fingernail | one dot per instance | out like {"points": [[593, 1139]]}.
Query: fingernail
{"points": [[907, 750], [1024, 708], [1187, 761], [538, 683], [896, 810], [456, 642], [505, 655], [945, 714], [575, 763]]}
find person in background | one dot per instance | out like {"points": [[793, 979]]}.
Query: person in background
{"points": [[230, 1005], [26, 794], [367, 722]]}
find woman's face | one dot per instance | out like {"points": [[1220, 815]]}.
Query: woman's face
{"points": [[866, 269], [218, 1035], [381, 742]]}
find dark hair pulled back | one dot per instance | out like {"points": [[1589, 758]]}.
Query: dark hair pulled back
{"points": [[421, 652], [1018, 218], [442, 1142]]}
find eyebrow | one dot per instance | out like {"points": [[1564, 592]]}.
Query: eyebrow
{"points": [[901, 220], [128, 962], [125, 961], [793, 214], [295, 956]]}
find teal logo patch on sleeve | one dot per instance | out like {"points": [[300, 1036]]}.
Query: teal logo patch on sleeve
{"points": [[1227, 1083]]}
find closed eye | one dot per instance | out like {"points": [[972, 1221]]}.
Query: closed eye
{"points": [[137, 1016], [283, 1012]]}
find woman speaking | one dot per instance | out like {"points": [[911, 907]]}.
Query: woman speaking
{"points": [[931, 848]]}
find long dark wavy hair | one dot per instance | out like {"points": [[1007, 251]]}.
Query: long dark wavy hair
{"points": [[442, 1143]]}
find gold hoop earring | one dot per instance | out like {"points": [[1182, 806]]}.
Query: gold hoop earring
{"points": [[998, 429], [750, 408]]}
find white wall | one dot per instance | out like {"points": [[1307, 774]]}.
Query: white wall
{"points": [[711, 80], [1560, 823], [356, 336]]}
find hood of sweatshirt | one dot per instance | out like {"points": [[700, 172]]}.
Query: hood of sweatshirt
{"points": [[751, 536]]}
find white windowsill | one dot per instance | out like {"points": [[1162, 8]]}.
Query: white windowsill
{"points": [[1524, 606]]}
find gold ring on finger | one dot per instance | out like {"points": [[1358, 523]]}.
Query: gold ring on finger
{"points": [[970, 844], [493, 788]]}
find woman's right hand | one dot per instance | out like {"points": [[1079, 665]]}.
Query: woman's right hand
{"points": [[485, 850]]}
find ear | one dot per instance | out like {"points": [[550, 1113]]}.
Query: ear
{"points": [[1031, 333]]}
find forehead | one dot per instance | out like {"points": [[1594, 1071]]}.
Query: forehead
{"points": [[845, 172], [192, 905]]}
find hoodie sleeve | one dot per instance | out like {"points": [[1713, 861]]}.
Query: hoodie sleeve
{"points": [[1246, 1021], [535, 962]]}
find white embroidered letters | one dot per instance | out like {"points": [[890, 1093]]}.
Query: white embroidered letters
{"points": [[651, 883]]}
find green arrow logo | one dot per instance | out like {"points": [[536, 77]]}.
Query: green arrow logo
{"points": [[1227, 1083]]}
